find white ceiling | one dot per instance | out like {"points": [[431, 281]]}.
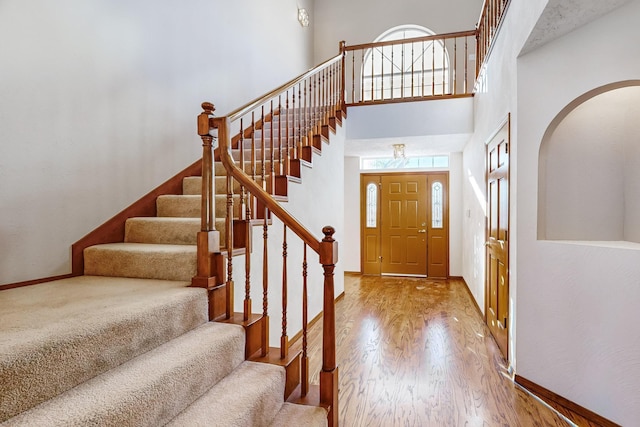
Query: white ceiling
{"points": [[563, 16]]}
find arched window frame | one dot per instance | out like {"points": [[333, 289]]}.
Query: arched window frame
{"points": [[387, 74]]}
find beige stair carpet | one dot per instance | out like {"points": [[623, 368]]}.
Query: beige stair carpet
{"points": [[300, 416], [250, 396], [55, 335], [149, 390], [141, 260]]}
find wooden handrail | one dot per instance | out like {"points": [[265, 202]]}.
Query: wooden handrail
{"points": [[412, 40], [235, 114]]}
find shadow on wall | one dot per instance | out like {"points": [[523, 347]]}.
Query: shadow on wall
{"points": [[589, 168]]}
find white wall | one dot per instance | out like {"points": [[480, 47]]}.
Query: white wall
{"points": [[361, 21], [98, 103], [351, 252], [494, 100], [319, 201], [406, 119], [577, 303]]}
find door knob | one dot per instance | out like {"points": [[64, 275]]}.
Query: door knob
{"points": [[422, 231]]}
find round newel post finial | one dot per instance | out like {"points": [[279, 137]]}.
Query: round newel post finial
{"points": [[328, 232], [208, 108]]}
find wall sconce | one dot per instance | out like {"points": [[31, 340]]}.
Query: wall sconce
{"points": [[398, 151], [303, 17]]}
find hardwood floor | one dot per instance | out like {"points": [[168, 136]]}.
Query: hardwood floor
{"points": [[416, 352]]}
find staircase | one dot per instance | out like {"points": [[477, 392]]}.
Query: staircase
{"points": [[130, 343], [145, 333]]}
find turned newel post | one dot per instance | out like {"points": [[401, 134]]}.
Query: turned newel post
{"points": [[329, 373], [208, 238]]}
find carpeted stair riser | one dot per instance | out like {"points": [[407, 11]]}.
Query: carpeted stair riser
{"points": [[59, 334], [300, 416], [140, 260], [190, 206], [151, 389], [250, 396], [162, 230]]}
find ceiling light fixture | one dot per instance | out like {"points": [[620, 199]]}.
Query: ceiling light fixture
{"points": [[398, 151]]}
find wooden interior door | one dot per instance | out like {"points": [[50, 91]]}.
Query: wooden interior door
{"points": [[497, 245], [403, 224]]}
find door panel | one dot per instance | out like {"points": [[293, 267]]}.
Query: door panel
{"points": [[370, 224], [497, 245], [403, 206], [437, 230]]}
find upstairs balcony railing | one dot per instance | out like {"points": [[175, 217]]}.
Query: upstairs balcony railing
{"points": [[415, 69]]}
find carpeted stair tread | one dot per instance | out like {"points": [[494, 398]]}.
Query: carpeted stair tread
{"points": [[249, 396], [151, 389], [162, 230], [300, 416], [141, 260], [55, 335]]}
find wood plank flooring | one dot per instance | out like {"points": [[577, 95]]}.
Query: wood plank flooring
{"points": [[416, 352]]}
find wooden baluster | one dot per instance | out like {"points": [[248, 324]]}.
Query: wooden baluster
{"points": [[284, 339], [362, 76], [265, 283], [280, 166], [329, 373], [422, 83], [412, 68], [293, 125], [343, 69], [455, 65], [373, 51], [382, 74], [305, 322], [353, 77], [244, 208], [253, 145], [305, 133], [272, 175], [286, 141], [300, 122], [393, 50], [229, 243], [247, 260], [433, 67], [402, 71], [443, 64], [466, 63], [263, 153]]}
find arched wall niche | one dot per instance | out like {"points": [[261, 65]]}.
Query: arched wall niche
{"points": [[589, 168]]}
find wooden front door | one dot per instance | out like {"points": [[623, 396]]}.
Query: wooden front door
{"points": [[405, 227], [497, 245]]}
